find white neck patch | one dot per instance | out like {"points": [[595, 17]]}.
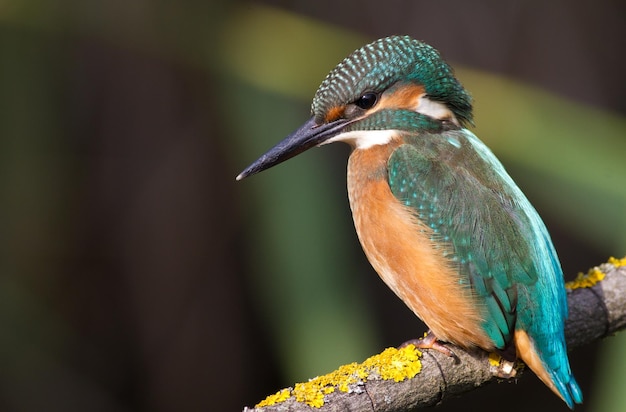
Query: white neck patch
{"points": [[436, 110]]}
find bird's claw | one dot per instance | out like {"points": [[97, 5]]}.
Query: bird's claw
{"points": [[430, 341]]}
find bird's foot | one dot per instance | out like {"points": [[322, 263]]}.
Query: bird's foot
{"points": [[430, 341]]}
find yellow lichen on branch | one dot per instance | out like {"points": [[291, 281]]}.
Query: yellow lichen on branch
{"points": [[586, 280], [593, 276], [278, 397], [617, 262], [494, 359], [391, 364]]}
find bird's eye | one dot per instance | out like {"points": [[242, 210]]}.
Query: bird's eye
{"points": [[367, 101]]}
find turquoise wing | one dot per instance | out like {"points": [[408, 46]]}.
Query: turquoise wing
{"points": [[501, 247]]}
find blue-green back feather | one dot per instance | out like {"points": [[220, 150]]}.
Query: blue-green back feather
{"points": [[494, 236]]}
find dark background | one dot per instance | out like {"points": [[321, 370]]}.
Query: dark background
{"points": [[137, 275]]}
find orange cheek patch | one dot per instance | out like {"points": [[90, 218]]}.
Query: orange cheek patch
{"points": [[334, 113], [405, 97]]}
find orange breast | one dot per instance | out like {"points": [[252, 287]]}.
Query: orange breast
{"points": [[400, 249]]}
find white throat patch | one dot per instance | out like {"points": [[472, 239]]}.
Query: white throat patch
{"points": [[363, 139]]}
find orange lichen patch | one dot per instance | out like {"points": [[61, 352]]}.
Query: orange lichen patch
{"points": [[400, 249], [334, 113], [392, 363], [526, 351]]}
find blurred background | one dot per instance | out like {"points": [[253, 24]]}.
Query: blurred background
{"points": [[137, 275]]}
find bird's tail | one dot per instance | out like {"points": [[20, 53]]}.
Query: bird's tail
{"points": [[568, 391], [560, 380]]}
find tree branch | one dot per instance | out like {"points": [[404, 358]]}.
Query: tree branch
{"points": [[597, 308]]}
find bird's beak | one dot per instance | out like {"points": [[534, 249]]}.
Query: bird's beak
{"points": [[308, 135]]}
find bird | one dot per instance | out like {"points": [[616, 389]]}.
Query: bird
{"points": [[437, 215]]}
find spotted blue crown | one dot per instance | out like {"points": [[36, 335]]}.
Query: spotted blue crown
{"points": [[376, 66]]}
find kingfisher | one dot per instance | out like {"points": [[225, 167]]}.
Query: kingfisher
{"points": [[436, 213]]}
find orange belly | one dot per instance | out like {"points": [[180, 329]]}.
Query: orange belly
{"points": [[400, 249]]}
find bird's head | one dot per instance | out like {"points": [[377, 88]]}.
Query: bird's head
{"points": [[393, 84]]}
